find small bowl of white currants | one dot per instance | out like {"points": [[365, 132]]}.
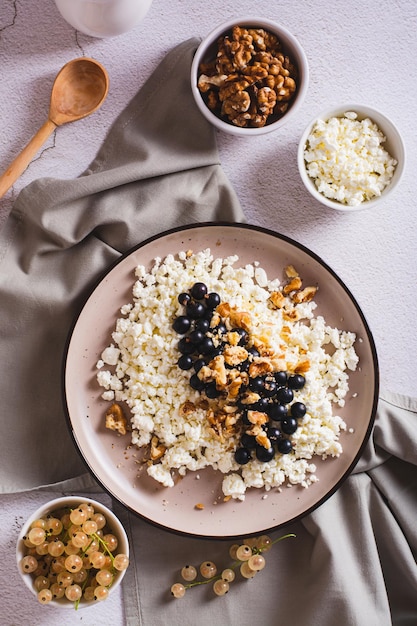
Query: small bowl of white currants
{"points": [[72, 552]]}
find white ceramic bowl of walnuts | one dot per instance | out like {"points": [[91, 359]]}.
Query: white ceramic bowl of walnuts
{"points": [[44, 581], [351, 157], [249, 76]]}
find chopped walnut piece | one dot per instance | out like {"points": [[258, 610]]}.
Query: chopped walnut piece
{"points": [[199, 506], [302, 367], [257, 417], [115, 419], [291, 316], [305, 295], [233, 355], [224, 309], [157, 450], [263, 440], [294, 284], [187, 408], [259, 367], [219, 371], [206, 82], [291, 272], [278, 299], [241, 319]]}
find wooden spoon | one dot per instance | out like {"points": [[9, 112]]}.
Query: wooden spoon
{"points": [[78, 90]]}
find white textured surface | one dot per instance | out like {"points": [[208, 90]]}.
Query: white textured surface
{"points": [[363, 52]]}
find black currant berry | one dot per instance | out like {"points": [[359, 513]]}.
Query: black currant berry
{"points": [[284, 446], [264, 454], [198, 291], [212, 300], [277, 412], [242, 456], [297, 381], [185, 362], [298, 409], [289, 425], [284, 395], [181, 324]]}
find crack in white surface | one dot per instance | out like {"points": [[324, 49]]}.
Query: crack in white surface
{"points": [[13, 5]]}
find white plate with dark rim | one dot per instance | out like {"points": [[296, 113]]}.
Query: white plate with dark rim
{"points": [[113, 462]]}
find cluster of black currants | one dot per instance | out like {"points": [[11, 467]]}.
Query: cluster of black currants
{"points": [[276, 395], [202, 341]]}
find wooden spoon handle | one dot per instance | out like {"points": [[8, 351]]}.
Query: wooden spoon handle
{"points": [[18, 166]]}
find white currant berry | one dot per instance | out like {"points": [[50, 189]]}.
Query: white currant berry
{"points": [[189, 573], [88, 508], [90, 527], [220, 587], [73, 592], [111, 542], [39, 523], [246, 571], [233, 550], [256, 562], [121, 562], [29, 564], [58, 564], [101, 593], [80, 539], [97, 559], [65, 579], [78, 516], [54, 526], [250, 541], [57, 590], [264, 543], [36, 536], [104, 577], [73, 563], [70, 548], [80, 576], [42, 548], [99, 519], [41, 582], [208, 569], [178, 590], [228, 575], [244, 552], [56, 547], [44, 596], [89, 594]]}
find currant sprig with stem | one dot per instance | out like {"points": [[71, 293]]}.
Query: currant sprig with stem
{"points": [[248, 558]]}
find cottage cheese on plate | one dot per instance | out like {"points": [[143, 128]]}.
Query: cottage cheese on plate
{"points": [[140, 369]]}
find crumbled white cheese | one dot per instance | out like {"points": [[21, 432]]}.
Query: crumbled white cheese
{"points": [[346, 159], [234, 486], [146, 377]]}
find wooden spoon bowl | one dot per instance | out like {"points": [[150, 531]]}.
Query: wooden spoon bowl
{"points": [[79, 89]]}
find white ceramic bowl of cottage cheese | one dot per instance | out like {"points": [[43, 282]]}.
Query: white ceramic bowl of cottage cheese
{"points": [[351, 157]]}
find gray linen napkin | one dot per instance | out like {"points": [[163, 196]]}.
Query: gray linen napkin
{"points": [[353, 561], [158, 168]]}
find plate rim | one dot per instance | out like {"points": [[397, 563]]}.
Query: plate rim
{"points": [[237, 226]]}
